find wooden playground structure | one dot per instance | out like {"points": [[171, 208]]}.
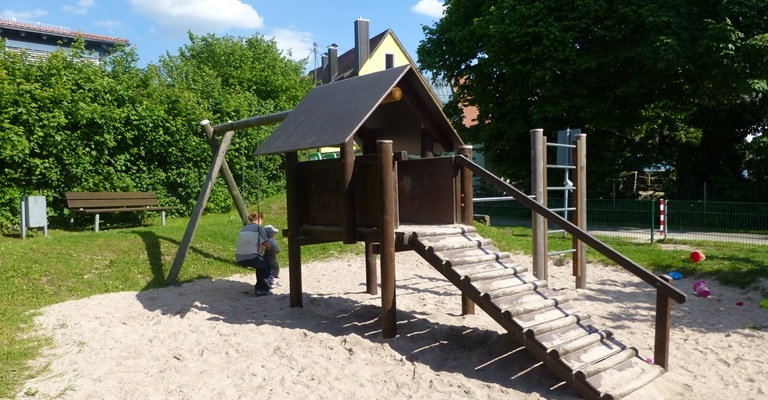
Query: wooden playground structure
{"points": [[410, 189]]}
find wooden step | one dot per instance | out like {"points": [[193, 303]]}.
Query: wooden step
{"points": [[555, 324], [605, 364], [555, 337], [468, 252], [527, 320], [482, 274], [426, 231], [494, 283], [587, 350], [481, 267], [477, 258], [526, 297], [442, 243], [533, 306], [520, 286], [625, 378]]}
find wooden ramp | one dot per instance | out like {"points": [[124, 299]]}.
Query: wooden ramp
{"points": [[591, 360]]}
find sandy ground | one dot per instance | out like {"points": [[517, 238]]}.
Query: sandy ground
{"points": [[211, 339]]}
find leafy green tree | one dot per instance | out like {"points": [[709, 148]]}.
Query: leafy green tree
{"points": [[230, 78], [679, 82], [69, 125]]}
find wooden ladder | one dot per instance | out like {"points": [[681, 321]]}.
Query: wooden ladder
{"points": [[591, 360]]}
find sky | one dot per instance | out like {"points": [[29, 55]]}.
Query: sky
{"points": [[155, 27]]}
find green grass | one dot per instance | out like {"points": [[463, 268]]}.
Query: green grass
{"points": [[729, 263], [69, 265]]}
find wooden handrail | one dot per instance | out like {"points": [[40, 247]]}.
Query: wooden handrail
{"points": [[657, 282]]}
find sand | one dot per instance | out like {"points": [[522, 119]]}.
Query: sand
{"points": [[210, 339]]}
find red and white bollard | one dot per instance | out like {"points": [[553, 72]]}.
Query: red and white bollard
{"points": [[662, 219]]}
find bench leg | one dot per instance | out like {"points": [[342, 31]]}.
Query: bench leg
{"points": [[96, 223], [162, 218]]}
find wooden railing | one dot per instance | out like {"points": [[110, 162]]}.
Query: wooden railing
{"points": [[664, 291]]}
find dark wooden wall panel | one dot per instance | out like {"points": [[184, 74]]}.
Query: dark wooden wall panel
{"points": [[426, 191]]}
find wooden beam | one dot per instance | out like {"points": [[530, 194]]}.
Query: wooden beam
{"points": [[388, 280], [613, 255], [580, 200], [293, 203], [349, 222], [466, 211], [538, 185], [194, 221], [260, 120], [371, 278], [226, 173]]}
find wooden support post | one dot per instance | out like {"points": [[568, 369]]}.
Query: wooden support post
{"points": [[387, 257], [371, 278], [226, 173], [349, 223], [539, 223], [663, 325], [294, 229], [427, 145], [580, 203], [466, 212], [194, 221], [467, 198]]}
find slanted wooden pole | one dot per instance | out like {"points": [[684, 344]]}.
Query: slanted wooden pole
{"points": [[387, 256], [260, 120], [226, 173], [205, 191], [194, 220]]}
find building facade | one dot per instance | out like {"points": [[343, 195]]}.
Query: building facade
{"points": [[38, 40]]}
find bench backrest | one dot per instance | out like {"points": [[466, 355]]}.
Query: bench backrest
{"points": [[85, 200]]}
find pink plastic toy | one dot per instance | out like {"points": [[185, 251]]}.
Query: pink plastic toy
{"points": [[701, 289]]}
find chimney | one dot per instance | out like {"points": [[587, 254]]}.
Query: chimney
{"points": [[324, 61], [362, 44], [333, 62]]}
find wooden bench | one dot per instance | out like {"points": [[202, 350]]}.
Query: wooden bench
{"points": [[107, 202]]}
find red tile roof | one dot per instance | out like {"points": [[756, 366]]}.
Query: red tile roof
{"points": [[54, 29]]}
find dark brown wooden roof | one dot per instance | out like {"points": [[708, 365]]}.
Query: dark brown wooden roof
{"points": [[331, 114]]}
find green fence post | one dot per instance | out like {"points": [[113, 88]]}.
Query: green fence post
{"points": [[653, 221]]}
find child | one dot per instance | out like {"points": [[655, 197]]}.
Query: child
{"points": [[270, 256], [251, 241]]}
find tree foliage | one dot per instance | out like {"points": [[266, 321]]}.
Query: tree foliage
{"points": [[69, 125], [679, 82]]}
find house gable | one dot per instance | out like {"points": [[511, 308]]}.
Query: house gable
{"points": [[388, 45]]}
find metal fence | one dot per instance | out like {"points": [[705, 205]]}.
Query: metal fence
{"points": [[744, 223]]}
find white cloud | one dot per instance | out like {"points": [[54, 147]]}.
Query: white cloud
{"points": [[430, 8], [24, 15], [297, 42], [81, 7], [110, 24], [199, 16]]}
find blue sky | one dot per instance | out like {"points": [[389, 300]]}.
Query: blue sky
{"points": [[157, 26]]}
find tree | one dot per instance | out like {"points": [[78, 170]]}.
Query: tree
{"points": [[680, 82], [69, 125], [230, 78]]}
